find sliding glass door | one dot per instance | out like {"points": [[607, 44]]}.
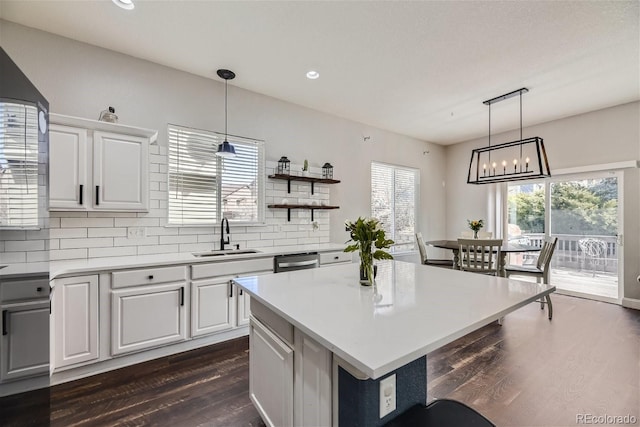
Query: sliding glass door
{"points": [[584, 213]]}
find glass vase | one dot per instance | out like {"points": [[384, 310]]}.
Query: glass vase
{"points": [[367, 269], [475, 234]]}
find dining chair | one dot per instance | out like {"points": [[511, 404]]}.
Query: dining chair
{"points": [[541, 271], [595, 250], [422, 248], [485, 234], [480, 255], [466, 234]]}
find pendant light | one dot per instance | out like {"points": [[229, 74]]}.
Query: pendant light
{"points": [[510, 161], [225, 149]]}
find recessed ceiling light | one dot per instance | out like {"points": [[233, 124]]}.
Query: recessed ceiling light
{"points": [[313, 74], [125, 4]]}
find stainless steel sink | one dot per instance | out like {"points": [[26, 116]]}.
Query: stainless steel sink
{"points": [[225, 252]]}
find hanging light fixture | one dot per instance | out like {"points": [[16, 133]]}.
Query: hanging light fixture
{"points": [[225, 149], [510, 161]]}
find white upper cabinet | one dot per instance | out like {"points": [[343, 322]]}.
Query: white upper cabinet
{"points": [[120, 171], [98, 166], [68, 160]]}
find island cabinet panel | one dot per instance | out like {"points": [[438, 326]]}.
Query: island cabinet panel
{"points": [[270, 375], [312, 386], [211, 306], [147, 316], [25, 340], [74, 309]]}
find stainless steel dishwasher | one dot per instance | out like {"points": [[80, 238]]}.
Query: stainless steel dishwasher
{"points": [[291, 262]]}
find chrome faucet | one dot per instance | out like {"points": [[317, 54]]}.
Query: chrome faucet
{"points": [[222, 229]]}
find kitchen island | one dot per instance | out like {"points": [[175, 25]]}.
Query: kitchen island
{"points": [[321, 343]]}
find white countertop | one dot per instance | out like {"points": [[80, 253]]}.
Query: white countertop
{"points": [[413, 310], [92, 265], [24, 270]]}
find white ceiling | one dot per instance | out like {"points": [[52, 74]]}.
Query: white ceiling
{"points": [[417, 68]]}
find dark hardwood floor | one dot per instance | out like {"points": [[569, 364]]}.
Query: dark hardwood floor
{"points": [[528, 372]]}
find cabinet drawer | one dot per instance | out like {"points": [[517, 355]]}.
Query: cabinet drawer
{"points": [[24, 289], [147, 276], [275, 323], [334, 257], [225, 268]]}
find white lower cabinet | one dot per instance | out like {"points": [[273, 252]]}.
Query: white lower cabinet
{"points": [[211, 306], [270, 375], [75, 320], [147, 316], [243, 311], [25, 340], [312, 386]]}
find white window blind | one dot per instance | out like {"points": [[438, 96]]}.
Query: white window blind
{"points": [[394, 192], [204, 187], [18, 166]]}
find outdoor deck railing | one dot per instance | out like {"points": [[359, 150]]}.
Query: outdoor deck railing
{"points": [[569, 254]]}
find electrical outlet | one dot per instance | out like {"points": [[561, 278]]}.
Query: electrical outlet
{"points": [[387, 395], [136, 232]]}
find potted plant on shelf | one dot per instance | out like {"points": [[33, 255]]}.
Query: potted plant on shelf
{"points": [[305, 168], [368, 238]]}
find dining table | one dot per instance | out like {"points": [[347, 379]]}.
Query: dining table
{"points": [[505, 249]]}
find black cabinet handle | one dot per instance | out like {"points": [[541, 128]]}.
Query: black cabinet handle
{"points": [[81, 193], [39, 289], [336, 257], [97, 195], [230, 289], [182, 295], [5, 317], [150, 277]]}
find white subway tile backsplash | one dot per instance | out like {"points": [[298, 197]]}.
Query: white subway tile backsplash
{"points": [[112, 214], [86, 243], [63, 254], [86, 222], [12, 257], [103, 234], [38, 234], [107, 232], [142, 241], [55, 214], [259, 243], [13, 235], [23, 245], [70, 233], [285, 242], [115, 251], [137, 222], [178, 239], [38, 256], [162, 231]]}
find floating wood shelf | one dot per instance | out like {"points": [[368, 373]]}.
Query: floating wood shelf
{"points": [[310, 207], [310, 179]]}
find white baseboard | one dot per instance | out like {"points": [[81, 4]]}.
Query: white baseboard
{"points": [[631, 303]]}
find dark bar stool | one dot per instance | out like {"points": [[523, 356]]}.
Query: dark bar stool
{"points": [[440, 413]]}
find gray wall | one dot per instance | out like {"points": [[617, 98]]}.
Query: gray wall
{"points": [[81, 80], [605, 136]]}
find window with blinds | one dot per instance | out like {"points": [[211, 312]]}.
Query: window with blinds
{"points": [[18, 166], [394, 192], [203, 187]]}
